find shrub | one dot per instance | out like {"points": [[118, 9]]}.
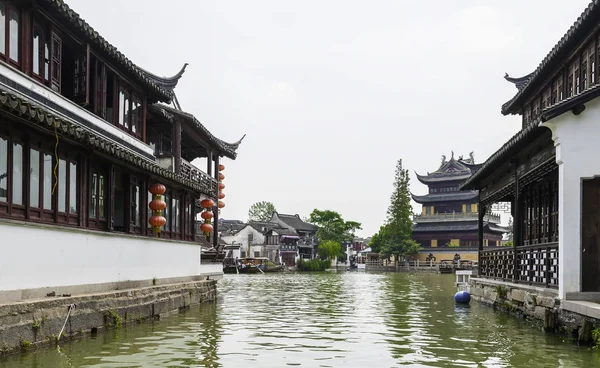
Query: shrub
{"points": [[313, 265]]}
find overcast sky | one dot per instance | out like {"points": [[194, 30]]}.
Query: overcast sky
{"points": [[332, 93]]}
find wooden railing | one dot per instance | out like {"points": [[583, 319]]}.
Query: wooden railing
{"points": [[535, 264], [193, 173]]}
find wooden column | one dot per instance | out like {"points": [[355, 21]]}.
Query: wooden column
{"points": [[209, 162], [177, 145], [480, 225], [111, 198], [517, 236], [216, 209]]}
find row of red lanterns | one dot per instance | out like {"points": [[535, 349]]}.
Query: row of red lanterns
{"points": [[208, 204], [157, 205]]}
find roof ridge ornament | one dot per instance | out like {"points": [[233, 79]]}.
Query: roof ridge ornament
{"points": [[519, 82]]}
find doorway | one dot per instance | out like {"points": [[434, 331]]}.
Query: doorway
{"points": [[590, 236]]}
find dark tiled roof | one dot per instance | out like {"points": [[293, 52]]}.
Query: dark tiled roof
{"points": [[520, 82], [450, 227], [226, 149], [452, 196], [231, 226], [508, 150], [259, 225], [168, 83], [81, 28], [427, 227], [452, 170], [582, 26], [296, 222], [26, 109]]}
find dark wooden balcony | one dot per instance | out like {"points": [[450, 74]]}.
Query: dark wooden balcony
{"points": [[535, 264]]}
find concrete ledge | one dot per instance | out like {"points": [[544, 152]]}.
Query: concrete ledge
{"points": [[585, 308], [537, 289], [74, 290], [39, 322]]}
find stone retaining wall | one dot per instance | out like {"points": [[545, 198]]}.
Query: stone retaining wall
{"points": [[38, 322], [540, 305]]}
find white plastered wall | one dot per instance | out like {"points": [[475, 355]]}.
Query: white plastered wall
{"points": [[577, 141]]}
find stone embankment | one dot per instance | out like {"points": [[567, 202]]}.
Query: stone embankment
{"points": [[540, 305], [37, 322]]}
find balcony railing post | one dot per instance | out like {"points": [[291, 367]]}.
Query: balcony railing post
{"points": [[516, 208]]}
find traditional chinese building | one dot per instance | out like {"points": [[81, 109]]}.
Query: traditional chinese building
{"points": [[84, 134], [448, 222], [549, 172], [306, 233]]}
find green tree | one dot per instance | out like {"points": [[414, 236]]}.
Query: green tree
{"points": [[261, 211], [329, 249], [332, 226], [394, 237]]}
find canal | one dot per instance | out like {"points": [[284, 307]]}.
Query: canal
{"points": [[345, 319]]}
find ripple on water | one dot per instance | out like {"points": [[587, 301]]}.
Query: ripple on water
{"points": [[349, 319]]}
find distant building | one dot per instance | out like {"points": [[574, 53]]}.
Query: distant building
{"points": [[284, 238], [448, 222], [307, 242]]}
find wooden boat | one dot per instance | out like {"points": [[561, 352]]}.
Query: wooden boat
{"points": [[251, 265], [446, 266]]}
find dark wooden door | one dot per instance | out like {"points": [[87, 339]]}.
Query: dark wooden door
{"points": [[590, 236]]}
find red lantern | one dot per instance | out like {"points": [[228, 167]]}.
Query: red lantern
{"points": [[221, 186], [157, 221], [221, 176], [157, 188], [221, 195], [207, 228], [157, 205], [221, 204], [207, 215], [207, 203], [221, 167]]}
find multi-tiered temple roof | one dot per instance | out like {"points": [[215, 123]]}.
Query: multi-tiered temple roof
{"points": [[446, 179]]}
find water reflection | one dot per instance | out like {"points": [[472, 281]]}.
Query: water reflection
{"points": [[349, 319]]}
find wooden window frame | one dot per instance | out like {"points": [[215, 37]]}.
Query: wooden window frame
{"points": [[5, 56], [40, 213]]}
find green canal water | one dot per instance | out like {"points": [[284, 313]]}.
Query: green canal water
{"points": [[345, 319]]}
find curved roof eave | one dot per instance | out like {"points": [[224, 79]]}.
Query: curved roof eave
{"points": [[168, 83], [224, 148], [586, 21]]}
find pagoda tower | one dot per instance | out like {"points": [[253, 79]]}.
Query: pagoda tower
{"points": [[448, 223]]}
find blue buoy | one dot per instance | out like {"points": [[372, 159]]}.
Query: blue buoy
{"points": [[462, 297], [348, 269]]}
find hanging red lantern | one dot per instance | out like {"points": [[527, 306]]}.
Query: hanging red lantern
{"points": [[221, 167], [157, 188], [221, 204], [221, 195], [221, 176], [157, 221], [221, 186], [207, 215], [207, 203], [207, 228], [157, 205]]}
